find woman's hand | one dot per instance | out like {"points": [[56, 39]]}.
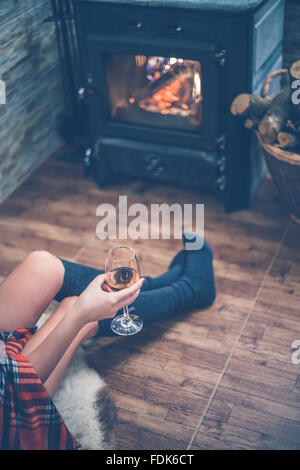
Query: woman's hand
{"points": [[92, 305], [95, 303]]}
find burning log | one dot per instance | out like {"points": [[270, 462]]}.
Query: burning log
{"points": [[177, 71], [176, 92], [168, 96]]}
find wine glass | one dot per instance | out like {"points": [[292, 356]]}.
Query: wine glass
{"points": [[123, 271]]}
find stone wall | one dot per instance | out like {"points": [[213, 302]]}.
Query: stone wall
{"points": [[29, 66]]}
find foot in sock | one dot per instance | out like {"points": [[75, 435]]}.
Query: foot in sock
{"points": [[193, 288], [198, 270], [178, 259], [173, 274], [175, 269]]}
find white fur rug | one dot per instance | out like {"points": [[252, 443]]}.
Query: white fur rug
{"points": [[83, 400]]}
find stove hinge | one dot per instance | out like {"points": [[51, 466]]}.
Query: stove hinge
{"points": [[221, 181], [87, 88]]}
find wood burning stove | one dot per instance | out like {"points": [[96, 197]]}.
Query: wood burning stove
{"points": [[159, 77]]}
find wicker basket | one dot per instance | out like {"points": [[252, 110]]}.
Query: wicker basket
{"points": [[283, 166]]}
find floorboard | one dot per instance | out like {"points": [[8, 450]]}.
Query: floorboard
{"points": [[220, 378]]}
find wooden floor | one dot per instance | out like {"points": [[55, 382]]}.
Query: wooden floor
{"points": [[220, 378]]}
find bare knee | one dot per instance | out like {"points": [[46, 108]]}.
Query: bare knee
{"points": [[45, 265], [44, 258], [40, 256]]}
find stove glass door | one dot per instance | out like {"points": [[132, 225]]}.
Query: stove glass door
{"points": [[162, 92]]}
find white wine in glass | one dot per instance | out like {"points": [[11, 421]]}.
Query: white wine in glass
{"points": [[123, 271]]}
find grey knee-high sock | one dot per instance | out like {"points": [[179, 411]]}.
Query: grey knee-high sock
{"points": [[77, 277], [195, 288]]}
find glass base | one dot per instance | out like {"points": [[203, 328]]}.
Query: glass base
{"points": [[126, 327]]}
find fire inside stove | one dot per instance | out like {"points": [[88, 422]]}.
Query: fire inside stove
{"points": [[153, 90]]}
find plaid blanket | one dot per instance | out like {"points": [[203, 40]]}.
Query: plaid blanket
{"points": [[28, 417]]}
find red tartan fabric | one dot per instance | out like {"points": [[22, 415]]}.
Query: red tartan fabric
{"points": [[29, 419]]}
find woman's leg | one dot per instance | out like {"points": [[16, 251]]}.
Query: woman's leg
{"points": [[48, 326], [52, 383], [27, 291], [189, 283]]}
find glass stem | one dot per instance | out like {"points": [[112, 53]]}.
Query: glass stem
{"points": [[126, 313], [126, 320]]}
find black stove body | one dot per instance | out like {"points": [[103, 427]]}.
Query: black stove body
{"points": [[159, 78]]}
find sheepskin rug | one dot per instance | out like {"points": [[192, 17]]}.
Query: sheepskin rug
{"points": [[83, 400]]}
